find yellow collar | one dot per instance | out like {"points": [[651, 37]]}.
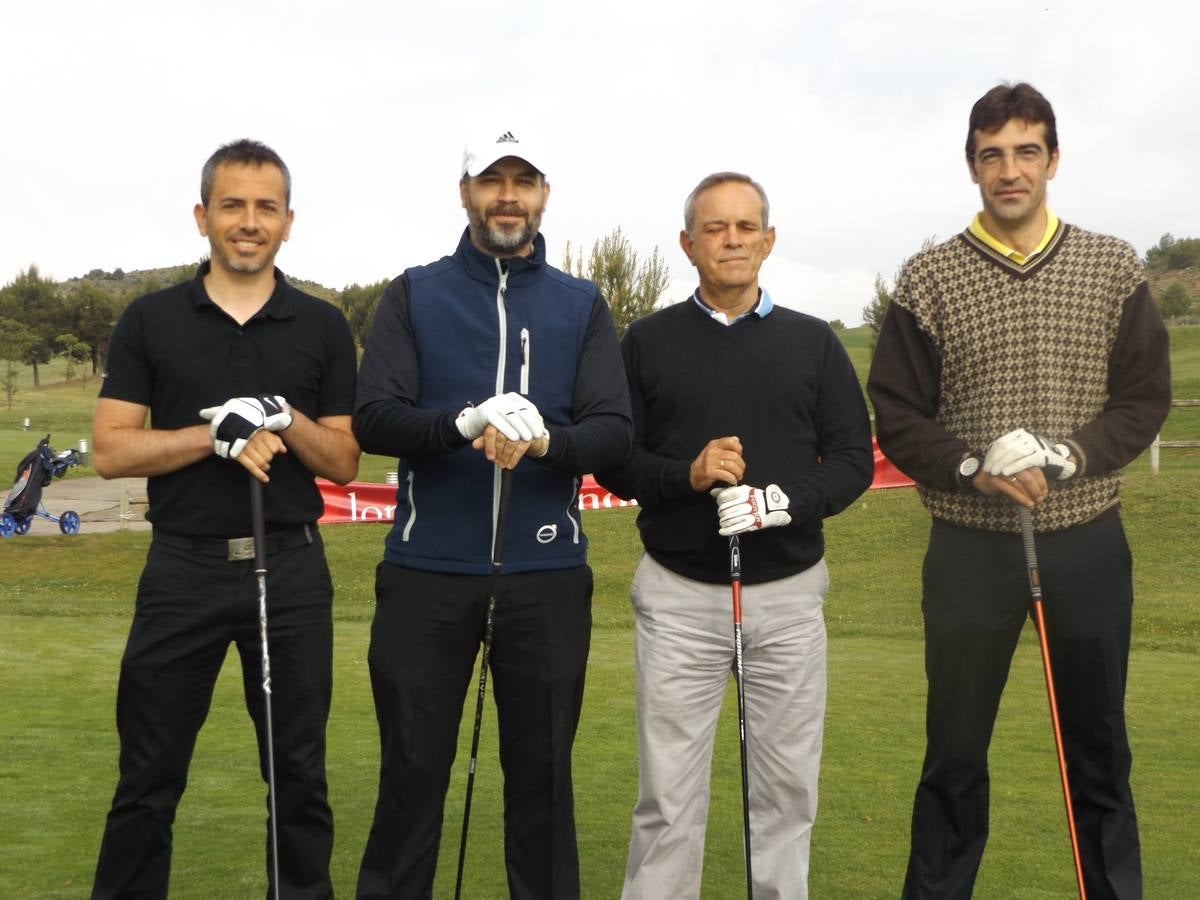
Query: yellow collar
{"points": [[976, 228]]}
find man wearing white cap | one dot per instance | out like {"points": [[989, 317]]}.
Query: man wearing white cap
{"points": [[487, 359]]}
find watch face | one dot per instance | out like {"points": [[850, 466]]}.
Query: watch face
{"points": [[968, 467]]}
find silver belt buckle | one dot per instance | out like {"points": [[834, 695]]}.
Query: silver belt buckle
{"points": [[241, 548]]}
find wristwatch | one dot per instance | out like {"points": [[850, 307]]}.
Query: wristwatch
{"points": [[968, 469]]}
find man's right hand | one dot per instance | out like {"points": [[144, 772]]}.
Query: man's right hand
{"points": [[260, 451], [719, 462], [1027, 488]]}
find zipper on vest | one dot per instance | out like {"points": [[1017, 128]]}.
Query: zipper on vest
{"points": [[573, 509], [502, 319], [501, 360], [525, 361], [412, 509]]}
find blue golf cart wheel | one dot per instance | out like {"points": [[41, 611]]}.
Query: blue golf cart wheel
{"points": [[8, 525], [23, 525], [68, 522]]}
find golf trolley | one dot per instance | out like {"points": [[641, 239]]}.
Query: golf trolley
{"points": [[34, 472]]}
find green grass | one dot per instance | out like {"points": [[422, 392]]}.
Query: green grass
{"points": [[66, 605], [1183, 424], [62, 409], [857, 342], [66, 612]]}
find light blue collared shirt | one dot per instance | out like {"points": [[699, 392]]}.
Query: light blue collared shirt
{"points": [[760, 309]]}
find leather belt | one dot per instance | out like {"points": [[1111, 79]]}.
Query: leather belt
{"points": [[238, 548]]}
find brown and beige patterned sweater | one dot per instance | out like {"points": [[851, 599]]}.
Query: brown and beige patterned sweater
{"points": [[1069, 345]]}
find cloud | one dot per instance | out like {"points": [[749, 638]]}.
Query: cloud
{"points": [[827, 293], [851, 115]]}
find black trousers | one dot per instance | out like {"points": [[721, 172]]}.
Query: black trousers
{"points": [[191, 603], [424, 640], [976, 600]]}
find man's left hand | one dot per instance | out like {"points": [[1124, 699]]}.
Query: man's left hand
{"points": [[743, 508]]}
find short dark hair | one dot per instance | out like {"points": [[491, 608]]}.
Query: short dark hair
{"points": [[711, 181], [244, 152], [1011, 101]]}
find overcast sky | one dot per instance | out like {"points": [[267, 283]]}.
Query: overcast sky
{"points": [[852, 115]]}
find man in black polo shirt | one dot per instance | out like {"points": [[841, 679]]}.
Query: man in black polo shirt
{"points": [[273, 369]]}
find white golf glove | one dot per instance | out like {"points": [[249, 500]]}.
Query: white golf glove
{"points": [[235, 421], [743, 508], [1021, 449], [513, 415]]}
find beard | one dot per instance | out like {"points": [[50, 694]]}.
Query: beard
{"points": [[503, 241], [231, 262]]}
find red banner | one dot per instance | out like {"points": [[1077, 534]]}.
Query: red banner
{"points": [[886, 474], [367, 501]]}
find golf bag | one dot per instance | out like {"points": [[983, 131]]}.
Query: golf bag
{"points": [[36, 470]]}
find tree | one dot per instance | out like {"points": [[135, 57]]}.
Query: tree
{"points": [[874, 311], [93, 313], [1157, 254], [15, 341], [1173, 254], [837, 325], [33, 301], [1175, 300], [358, 304], [1184, 254], [75, 351], [631, 289]]}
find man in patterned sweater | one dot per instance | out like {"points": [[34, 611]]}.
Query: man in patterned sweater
{"points": [[1021, 363]]}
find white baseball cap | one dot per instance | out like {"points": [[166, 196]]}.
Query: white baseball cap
{"points": [[484, 150]]}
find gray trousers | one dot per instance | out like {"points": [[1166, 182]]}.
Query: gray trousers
{"points": [[684, 650]]}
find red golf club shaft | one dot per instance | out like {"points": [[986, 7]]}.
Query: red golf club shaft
{"points": [[735, 583], [1035, 590]]}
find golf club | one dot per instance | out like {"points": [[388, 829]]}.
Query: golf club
{"points": [[1035, 589], [260, 572], [735, 583], [493, 579]]}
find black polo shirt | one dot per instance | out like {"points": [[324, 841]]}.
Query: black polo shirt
{"points": [[177, 352]]}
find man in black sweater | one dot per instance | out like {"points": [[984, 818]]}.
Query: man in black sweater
{"points": [[758, 406]]}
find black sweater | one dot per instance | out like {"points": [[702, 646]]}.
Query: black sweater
{"points": [[785, 387]]}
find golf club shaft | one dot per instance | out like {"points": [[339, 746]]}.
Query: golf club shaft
{"points": [[735, 583], [489, 624], [1035, 590], [258, 525]]}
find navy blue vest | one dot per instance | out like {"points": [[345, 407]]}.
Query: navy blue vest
{"points": [[474, 341]]}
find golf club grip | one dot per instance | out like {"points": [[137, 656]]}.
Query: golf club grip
{"points": [[1031, 563], [506, 477], [257, 524], [735, 578]]}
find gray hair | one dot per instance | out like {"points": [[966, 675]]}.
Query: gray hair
{"points": [[244, 152], [711, 181]]}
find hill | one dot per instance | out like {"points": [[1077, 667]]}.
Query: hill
{"points": [[1174, 262], [127, 285], [1161, 279]]}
